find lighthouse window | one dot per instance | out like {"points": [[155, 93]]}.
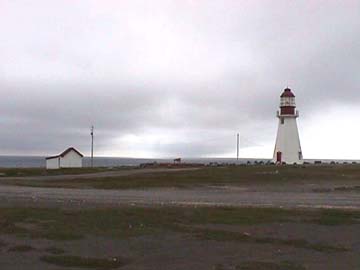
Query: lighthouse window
{"points": [[282, 121]]}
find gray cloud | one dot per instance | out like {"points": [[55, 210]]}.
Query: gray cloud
{"points": [[195, 71]]}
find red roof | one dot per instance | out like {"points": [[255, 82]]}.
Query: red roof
{"points": [[287, 93], [65, 153]]}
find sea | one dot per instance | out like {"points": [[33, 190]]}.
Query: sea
{"points": [[39, 161]]}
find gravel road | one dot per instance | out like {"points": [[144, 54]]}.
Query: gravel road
{"points": [[173, 196]]}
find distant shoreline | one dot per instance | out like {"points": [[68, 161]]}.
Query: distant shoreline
{"points": [[39, 161]]}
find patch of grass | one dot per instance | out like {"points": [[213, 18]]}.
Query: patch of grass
{"points": [[9, 227], [59, 224], [221, 235], [14, 172], [208, 176], [239, 216], [337, 217], [21, 248], [258, 265], [219, 266], [322, 247], [60, 235], [301, 243], [2, 244], [344, 188], [84, 262], [51, 223], [54, 250]]}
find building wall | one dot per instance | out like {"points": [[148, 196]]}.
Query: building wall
{"points": [[71, 160], [52, 163], [288, 141]]}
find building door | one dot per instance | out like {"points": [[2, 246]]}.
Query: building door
{"points": [[278, 157]]}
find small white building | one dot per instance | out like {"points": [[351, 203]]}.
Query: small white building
{"points": [[70, 158]]}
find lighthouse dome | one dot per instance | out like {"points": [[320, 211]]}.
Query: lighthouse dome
{"points": [[287, 93]]}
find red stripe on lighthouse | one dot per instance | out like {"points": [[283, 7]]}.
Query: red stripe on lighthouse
{"points": [[287, 110]]}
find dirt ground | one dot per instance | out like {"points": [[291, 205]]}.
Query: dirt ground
{"points": [[229, 196], [174, 250], [228, 242]]}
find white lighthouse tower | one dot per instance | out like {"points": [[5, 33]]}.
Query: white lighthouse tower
{"points": [[287, 147]]}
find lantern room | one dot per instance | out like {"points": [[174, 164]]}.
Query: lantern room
{"points": [[287, 102]]}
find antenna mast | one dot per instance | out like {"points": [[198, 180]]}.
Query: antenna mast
{"points": [[92, 145], [237, 146]]}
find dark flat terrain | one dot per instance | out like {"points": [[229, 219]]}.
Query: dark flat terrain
{"points": [[254, 218], [179, 238]]}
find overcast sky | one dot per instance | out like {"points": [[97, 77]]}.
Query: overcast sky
{"points": [[177, 78]]}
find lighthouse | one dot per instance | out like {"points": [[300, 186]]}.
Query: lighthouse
{"points": [[287, 147]]}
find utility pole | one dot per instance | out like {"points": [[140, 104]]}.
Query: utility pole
{"points": [[237, 146], [92, 145]]}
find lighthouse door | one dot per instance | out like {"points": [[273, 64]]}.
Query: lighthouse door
{"points": [[278, 157]]}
